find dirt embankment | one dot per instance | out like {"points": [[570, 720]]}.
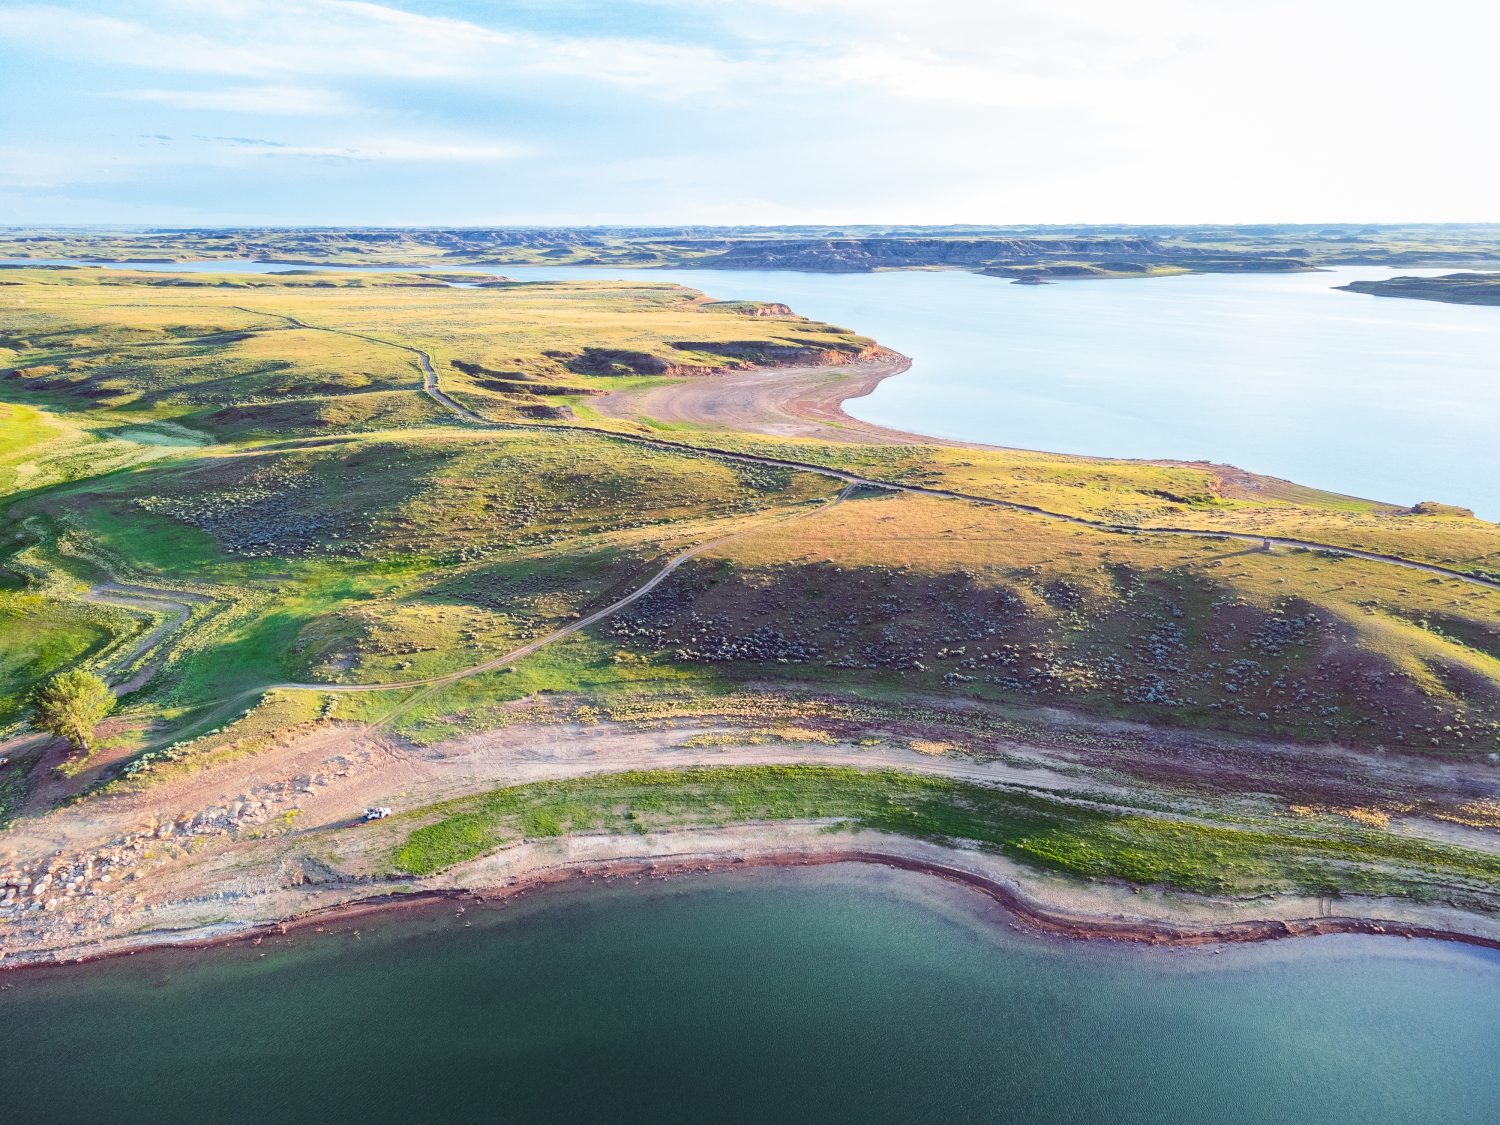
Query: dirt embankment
{"points": [[247, 844]]}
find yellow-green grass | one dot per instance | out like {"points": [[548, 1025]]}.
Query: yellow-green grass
{"points": [[579, 671], [1142, 494], [406, 544], [918, 594], [339, 383], [383, 559], [1284, 856], [202, 341]]}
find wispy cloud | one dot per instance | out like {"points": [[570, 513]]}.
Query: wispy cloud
{"points": [[292, 100], [383, 148], [942, 50], [61, 166], [394, 149], [333, 38], [971, 109]]}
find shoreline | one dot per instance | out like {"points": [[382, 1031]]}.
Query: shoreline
{"points": [[808, 402], [1020, 910], [800, 401]]}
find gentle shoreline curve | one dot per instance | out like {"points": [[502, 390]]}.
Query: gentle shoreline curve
{"points": [[793, 402], [795, 396], [1023, 911], [215, 852], [431, 387]]}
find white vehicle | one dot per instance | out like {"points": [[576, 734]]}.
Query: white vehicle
{"points": [[379, 812]]}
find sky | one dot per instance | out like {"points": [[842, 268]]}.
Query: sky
{"points": [[566, 112]]}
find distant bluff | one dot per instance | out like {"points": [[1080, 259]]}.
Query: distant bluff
{"points": [[858, 255]]}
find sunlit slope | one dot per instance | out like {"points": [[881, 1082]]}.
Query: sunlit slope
{"points": [[915, 594], [377, 557], [235, 353], [262, 450]]}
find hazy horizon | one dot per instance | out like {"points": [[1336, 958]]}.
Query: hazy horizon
{"points": [[664, 226]]}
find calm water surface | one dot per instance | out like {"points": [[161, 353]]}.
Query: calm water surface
{"points": [[1390, 399], [843, 994], [1395, 400]]}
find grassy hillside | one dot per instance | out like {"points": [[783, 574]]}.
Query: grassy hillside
{"points": [[387, 557], [281, 354], [915, 594], [262, 451]]}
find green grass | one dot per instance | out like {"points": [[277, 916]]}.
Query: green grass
{"points": [[373, 558], [1046, 833], [577, 668], [40, 636], [155, 431]]}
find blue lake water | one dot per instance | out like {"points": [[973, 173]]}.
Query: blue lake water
{"points": [[858, 994], [1390, 399], [841, 994]]}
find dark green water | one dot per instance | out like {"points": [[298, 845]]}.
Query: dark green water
{"points": [[843, 994]]}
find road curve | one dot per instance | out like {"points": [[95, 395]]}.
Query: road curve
{"points": [[566, 630], [851, 481], [432, 388]]}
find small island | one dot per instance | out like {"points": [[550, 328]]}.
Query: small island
{"points": [[1453, 288]]}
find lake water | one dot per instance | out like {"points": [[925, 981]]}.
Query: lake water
{"points": [[1390, 399], [840, 994]]}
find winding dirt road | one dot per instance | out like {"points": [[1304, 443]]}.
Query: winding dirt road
{"points": [[583, 622], [792, 397], [787, 388]]}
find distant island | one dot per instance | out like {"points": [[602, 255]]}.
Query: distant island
{"points": [[1454, 288]]}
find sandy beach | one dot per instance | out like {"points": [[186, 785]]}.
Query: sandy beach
{"points": [[797, 402]]}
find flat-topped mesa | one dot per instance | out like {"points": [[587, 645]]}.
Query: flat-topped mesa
{"points": [[861, 254], [858, 255]]}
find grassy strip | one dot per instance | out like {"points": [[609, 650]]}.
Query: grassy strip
{"points": [[1034, 829]]}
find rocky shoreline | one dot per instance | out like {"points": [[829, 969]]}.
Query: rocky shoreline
{"points": [[535, 867]]}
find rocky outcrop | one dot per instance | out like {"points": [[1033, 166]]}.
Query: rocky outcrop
{"points": [[751, 308], [1433, 508]]}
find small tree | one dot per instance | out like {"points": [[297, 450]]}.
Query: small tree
{"points": [[71, 705]]}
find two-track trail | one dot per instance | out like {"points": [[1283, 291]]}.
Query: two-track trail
{"points": [[433, 389]]}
